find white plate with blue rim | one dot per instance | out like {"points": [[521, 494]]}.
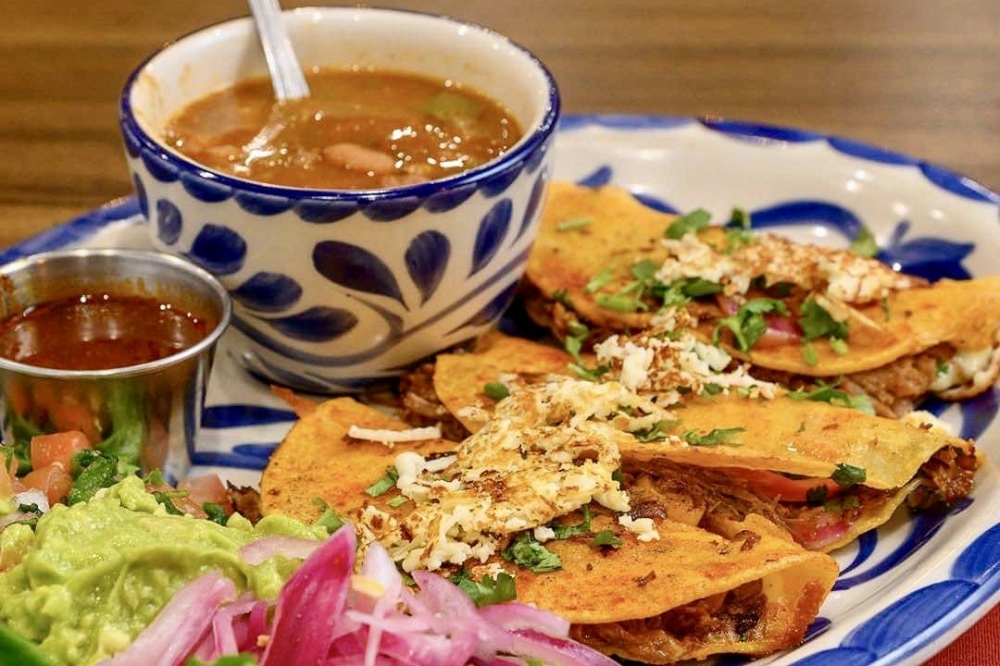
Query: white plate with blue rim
{"points": [[905, 590]]}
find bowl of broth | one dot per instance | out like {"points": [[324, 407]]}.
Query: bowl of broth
{"points": [[114, 344], [386, 217]]}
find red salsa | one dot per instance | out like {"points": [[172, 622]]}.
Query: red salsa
{"points": [[98, 332]]}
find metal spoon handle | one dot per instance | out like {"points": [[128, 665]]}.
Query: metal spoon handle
{"points": [[286, 74]]}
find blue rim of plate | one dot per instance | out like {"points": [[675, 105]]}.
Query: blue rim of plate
{"points": [[894, 635]]}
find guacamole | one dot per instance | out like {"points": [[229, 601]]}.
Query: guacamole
{"points": [[93, 575]]}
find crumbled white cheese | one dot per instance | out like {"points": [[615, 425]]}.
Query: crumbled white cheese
{"points": [[510, 476], [838, 273], [389, 437], [643, 528], [673, 361]]}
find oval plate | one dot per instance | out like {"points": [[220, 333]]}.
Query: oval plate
{"points": [[906, 590]]}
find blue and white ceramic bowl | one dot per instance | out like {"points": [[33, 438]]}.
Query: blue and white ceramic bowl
{"points": [[333, 289]]}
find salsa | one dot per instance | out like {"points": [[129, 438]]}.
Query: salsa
{"points": [[358, 129], [98, 332]]}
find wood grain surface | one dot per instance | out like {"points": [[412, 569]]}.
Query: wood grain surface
{"points": [[921, 77]]}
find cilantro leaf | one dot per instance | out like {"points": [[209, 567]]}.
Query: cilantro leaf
{"points": [[748, 325], [864, 244], [526, 552], [816, 322], [383, 485], [605, 538], [713, 437], [487, 590], [567, 531], [846, 475], [329, 519], [823, 392], [689, 223], [574, 223]]}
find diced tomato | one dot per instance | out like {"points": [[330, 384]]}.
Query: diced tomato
{"points": [[57, 448], [70, 414], [53, 480], [207, 488], [783, 488]]}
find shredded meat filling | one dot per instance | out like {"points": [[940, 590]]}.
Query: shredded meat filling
{"points": [[730, 617], [946, 479], [420, 405]]}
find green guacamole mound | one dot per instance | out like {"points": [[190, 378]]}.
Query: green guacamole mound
{"points": [[93, 575]]}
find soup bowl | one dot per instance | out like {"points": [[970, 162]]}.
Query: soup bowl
{"points": [[334, 289], [131, 380]]}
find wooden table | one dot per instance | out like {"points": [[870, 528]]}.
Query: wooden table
{"points": [[916, 77]]}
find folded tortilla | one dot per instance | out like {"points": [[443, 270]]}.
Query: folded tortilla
{"points": [[951, 328], [744, 588], [787, 437]]}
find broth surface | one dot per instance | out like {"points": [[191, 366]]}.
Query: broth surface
{"points": [[359, 129], [97, 332]]}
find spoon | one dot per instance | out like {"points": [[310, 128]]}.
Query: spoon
{"points": [[287, 77], [286, 74]]}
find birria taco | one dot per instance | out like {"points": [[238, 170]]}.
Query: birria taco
{"points": [[808, 461], [606, 263], [544, 507]]}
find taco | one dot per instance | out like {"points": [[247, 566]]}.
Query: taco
{"points": [[797, 313], [646, 588], [824, 471]]}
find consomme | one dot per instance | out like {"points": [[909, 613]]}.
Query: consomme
{"points": [[359, 129]]}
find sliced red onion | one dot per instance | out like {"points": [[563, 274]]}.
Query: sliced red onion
{"points": [[514, 615], [259, 551], [311, 604], [180, 625]]}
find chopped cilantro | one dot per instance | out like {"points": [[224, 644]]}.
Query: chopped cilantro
{"points": [[605, 538], [620, 302], [92, 470], [712, 389], [487, 590], [739, 218], [816, 322], [823, 392], [567, 531], [817, 496], [496, 390], [215, 513], [166, 499], [809, 354], [864, 244], [574, 223], [657, 431], [714, 437], [846, 475], [748, 325], [689, 223], [398, 500], [942, 366], [561, 296], [599, 280], [329, 519], [838, 345], [383, 485], [525, 551]]}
